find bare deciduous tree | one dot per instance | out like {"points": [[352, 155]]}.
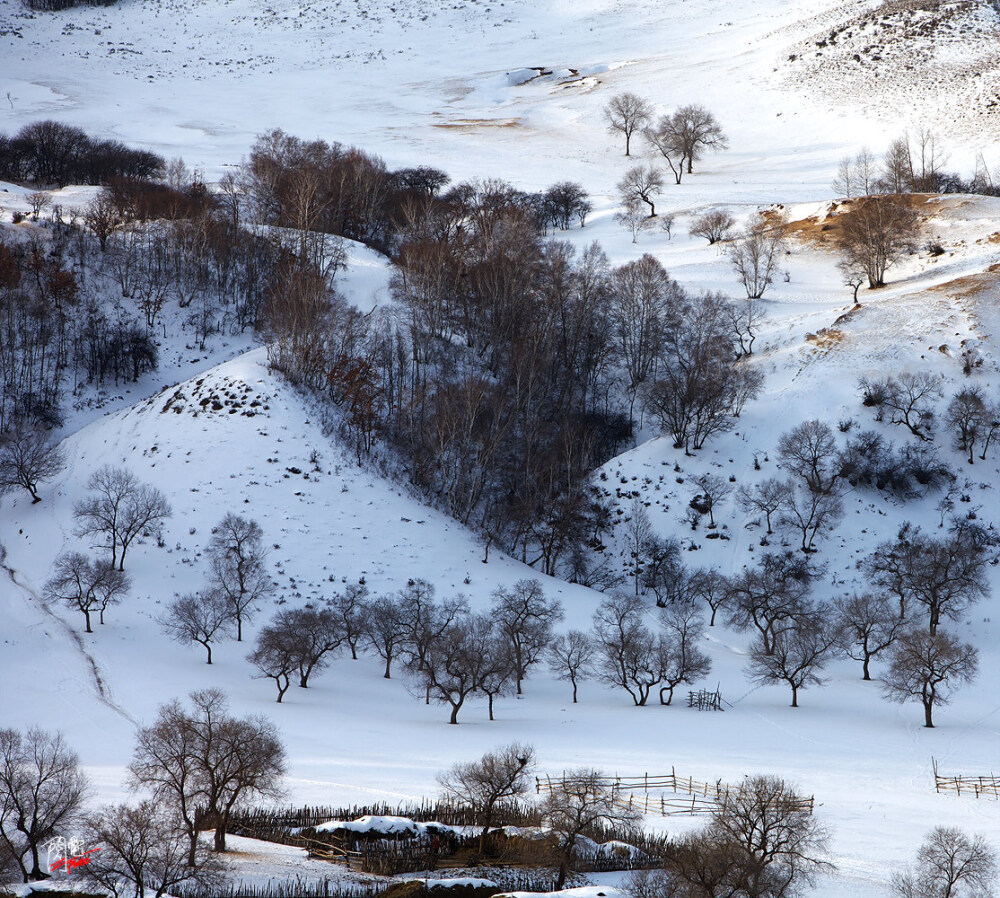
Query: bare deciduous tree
{"points": [[810, 514], [349, 609], [683, 137], [579, 801], [627, 113], [766, 498], [770, 597], [744, 318], [950, 864], [797, 655], [969, 418], [866, 626], [208, 760], [525, 617], [712, 489], [756, 253], [809, 451], [385, 629], [714, 225], [570, 657], [86, 585], [684, 662], [236, 557], [120, 511], [876, 233], [909, 399], [499, 776], [928, 669], [26, 457], [641, 183], [201, 617], [144, 850], [42, 791]]}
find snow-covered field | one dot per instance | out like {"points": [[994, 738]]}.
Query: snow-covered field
{"points": [[426, 83]]}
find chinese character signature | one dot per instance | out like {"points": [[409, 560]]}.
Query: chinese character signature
{"points": [[71, 862]]}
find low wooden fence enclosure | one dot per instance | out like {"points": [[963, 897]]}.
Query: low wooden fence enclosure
{"points": [[988, 786]]}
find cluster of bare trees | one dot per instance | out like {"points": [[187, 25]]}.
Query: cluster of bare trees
{"points": [[448, 653], [909, 165], [51, 153], [237, 584], [119, 510]]}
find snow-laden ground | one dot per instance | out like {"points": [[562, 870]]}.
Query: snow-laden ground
{"points": [[443, 84]]}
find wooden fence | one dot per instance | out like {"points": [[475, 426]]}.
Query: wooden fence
{"points": [[662, 794], [977, 786]]}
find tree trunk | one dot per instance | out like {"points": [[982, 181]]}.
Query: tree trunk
{"points": [[454, 713], [867, 675], [574, 690], [193, 848], [86, 614], [928, 713], [490, 699], [795, 696], [208, 648], [388, 664], [239, 630]]}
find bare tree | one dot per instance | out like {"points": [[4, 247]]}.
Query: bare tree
{"points": [[38, 200], [756, 253], [683, 138], [876, 233], [121, 510], [42, 791], [86, 585], [770, 597], [577, 803], [570, 658], [950, 864], [969, 418], [276, 656], [27, 456], [638, 538], [144, 850], [744, 318], [811, 514], [237, 559], [856, 176], [909, 399], [809, 451], [714, 225], [349, 609], [641, 183], [386, 630], [797, 655], [498, 777], [207, 759], [625, 114], [928, 668], [713, 489], [525, 617], [866, 626], [683, 628], [629, 655], [775, 844], [711, 587], [201, 617], [633, 218], [766, 498], [103, 217]]}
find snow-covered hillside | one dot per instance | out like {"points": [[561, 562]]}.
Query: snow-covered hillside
{"points": [[443, 84]]}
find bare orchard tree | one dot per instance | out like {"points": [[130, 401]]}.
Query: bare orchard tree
{"points": [[928, 668], [641, 183], [143, 850], [119, 509], [525, 617], [969, 419], [201, 617], [683, 137], [710, 587], [766, 498], [498, 777], [349, 609], [810, 514], [809, 451], [683, 628], [774, 842], [757, 252], [866, 626], [85, 585], [386, 629], [276, 656], [570, 657], [576, 805], [236, 557], [876, 233], [628, 653], [714, 225], [797, 655], [744, 317], [316, 635], [42, 791], [633, 218], [627, 113], [950, 864], [26, 457], [712, 489], [207, 760], [909, 400]]}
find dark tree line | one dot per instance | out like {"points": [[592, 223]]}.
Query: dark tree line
{"points": [[51, 153]]}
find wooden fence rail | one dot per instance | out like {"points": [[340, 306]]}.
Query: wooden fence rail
{"points": [[977, 786]]}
